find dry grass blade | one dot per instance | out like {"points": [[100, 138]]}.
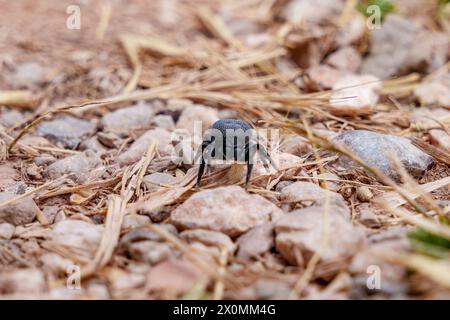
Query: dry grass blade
{"points": [[116, 212], [219, 285], [395, 200], [420, 221], [46, 185], [149, 155], [437, 270], [436, 153], [311, 266], [41, 117], [18, 98]]}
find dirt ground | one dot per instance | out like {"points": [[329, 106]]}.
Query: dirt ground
{"points": [[103, 105]]}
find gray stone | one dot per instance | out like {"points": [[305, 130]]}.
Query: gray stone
{"points": [[9, 118], [68, 130], [28, 75], [17, 213], [80, 165], [374, 148], [401, 45], [136, 117]]}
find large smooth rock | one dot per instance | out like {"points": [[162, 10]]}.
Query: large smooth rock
{"points": [[68, 131], [374, 148], [299, 235], [230, 210], [17, 213]]}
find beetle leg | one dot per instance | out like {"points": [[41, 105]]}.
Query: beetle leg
{"points": [[201, 168], [250, 150], [265, 157]]}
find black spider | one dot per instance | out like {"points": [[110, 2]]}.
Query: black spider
{"points": [[231, 139]]}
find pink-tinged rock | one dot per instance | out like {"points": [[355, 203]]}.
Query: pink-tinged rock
{"points": [[299, 235], [440, 138], [370, 261], [17, 213], [282, 160], [355, 95], [8, 175], [77, 235], [138, 149], [323, 76], [423, 118], [6, 231], [435, 92], [295, 145], [256, 241], [173, 277], [352, 32], [209, 238], [22, 281], [309, 193], [311, 12], [55, 265], [191, 115], [230, 210], [345, 58]]}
